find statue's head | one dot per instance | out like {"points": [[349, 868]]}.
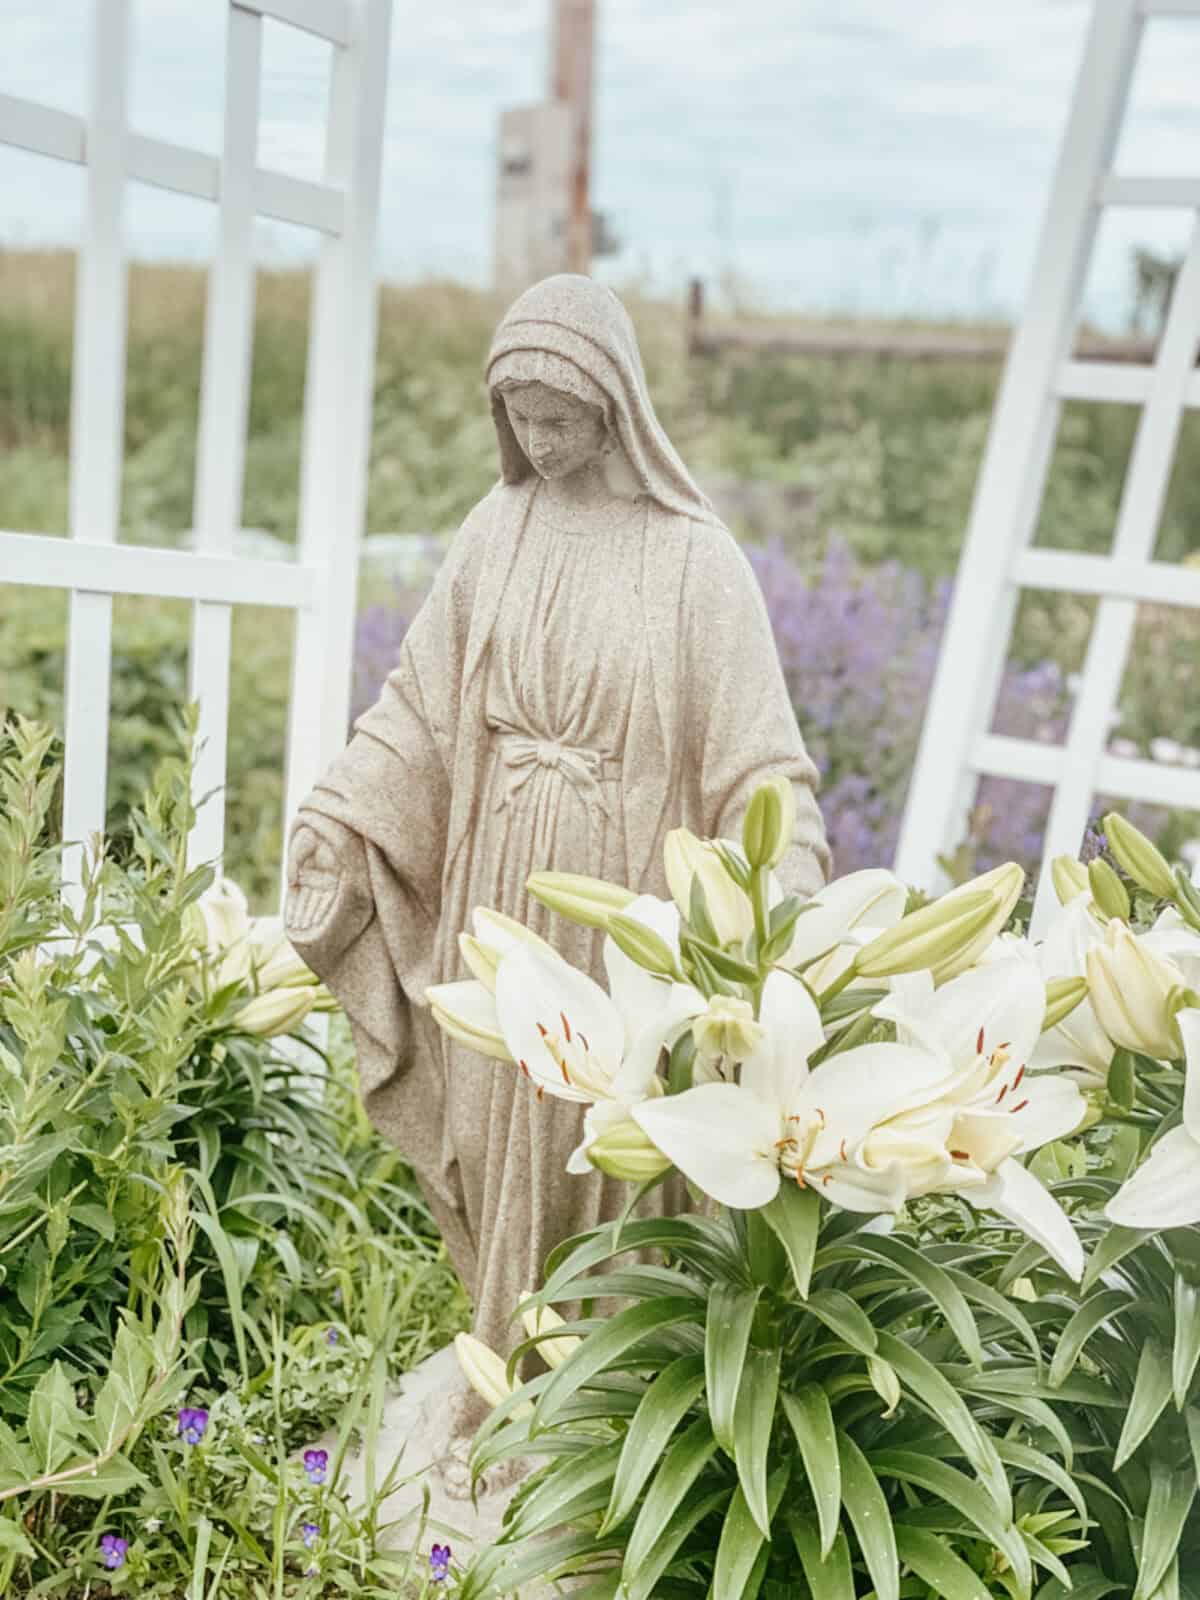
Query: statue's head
{"points": [[558, 432], [567, 390]]}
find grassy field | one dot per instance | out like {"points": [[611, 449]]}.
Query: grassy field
{"points": [[881, 453]]}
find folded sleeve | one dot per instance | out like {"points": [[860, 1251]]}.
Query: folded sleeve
{"points": [[743, 726]]}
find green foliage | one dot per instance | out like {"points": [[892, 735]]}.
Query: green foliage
{"points": [[187, 1216]]}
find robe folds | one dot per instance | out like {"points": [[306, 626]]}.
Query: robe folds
{"points": [[708, 720]]}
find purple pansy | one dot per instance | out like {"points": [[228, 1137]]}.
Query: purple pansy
{"points": [[316, 1463], [112, 1551], [193, 1423], [439, 1563], [309, 1532]]}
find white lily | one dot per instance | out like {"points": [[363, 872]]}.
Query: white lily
{"points": [[1165, 1190], [984, 1026], [1079, 1040], [578, 1043], [1137, 984], [842, 917], [737, 1141]]}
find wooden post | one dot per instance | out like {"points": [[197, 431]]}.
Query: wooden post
{"points": [[571, 70]]}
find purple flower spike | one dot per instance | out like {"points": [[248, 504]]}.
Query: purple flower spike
{"points": [[439, 1563], [332, 1336], [193, 1423], [309, 1532], [112, 1551], [315, 1464]]}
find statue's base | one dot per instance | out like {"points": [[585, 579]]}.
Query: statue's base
{"points": [[414, 1436]]}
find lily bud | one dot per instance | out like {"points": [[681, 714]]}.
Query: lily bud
{"points": [[929, 938], [769, 823], [624, 1151], [226, 915], [277, 1011], [729, 909], [1109, 893], [641, 944], [1004, 885], [481, 960], [589, 901], [1135, 994], [540, 1320], [1140, 858], [727, 1028], [1062, 996], [467, 1012], [1069, 877], [483, 1369], [283, 968]]}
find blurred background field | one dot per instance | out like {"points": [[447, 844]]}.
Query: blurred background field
{"points": [[848, 479]]}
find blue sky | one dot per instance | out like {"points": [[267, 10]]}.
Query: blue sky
{"points": [[853, 155]]}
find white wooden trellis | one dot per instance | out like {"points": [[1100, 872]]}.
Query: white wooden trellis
{"points": [[998, 562], [320, 588]]}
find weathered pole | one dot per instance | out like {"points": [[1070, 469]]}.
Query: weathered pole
{"points": [[571, 74]]}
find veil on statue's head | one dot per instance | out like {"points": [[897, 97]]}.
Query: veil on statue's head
{"points": [[573, 334]]}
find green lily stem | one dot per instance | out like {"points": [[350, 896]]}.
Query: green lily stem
{"points": [[759, 887], [836, 987]]}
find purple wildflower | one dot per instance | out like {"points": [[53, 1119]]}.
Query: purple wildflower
{"points": [[193, 1424], [112, 1551], [332, 1336], [315, 1464], [439, 1562], [309, 1532]]}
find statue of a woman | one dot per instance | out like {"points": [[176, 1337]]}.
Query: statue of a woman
{"points": [[593, 667]]}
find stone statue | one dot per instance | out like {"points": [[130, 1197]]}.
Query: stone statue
{"points": [[593, 667]]}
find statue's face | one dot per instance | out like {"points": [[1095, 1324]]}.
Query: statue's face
{"points": [[559, 433]]}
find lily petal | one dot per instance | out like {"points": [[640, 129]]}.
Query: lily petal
{"points": [[467, 1012], [680, 1004], [720, 1136], [1015, 1194], [852, 1092], [1164, 1192], [874, 898], [777, 1069], [1053, 1109], [530, 990], [1005, 999], [1188, 1023]]}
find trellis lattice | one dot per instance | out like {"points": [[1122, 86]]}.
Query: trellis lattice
{"points": [[998, 561], [320, 588]]}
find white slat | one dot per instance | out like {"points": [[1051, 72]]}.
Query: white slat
{"points": [[34, 558], [224, 403], [1149, 780], [996, 755], [1170, 8], [337, 407], [328, 19], [1008, 493], [1114, 381], [288, 199], [1137, 524], [43, 129], [1156, 582], [1154, 192], [97, 422]]}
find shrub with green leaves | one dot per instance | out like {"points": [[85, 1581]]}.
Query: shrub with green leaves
{"points": [[192, 1224]]}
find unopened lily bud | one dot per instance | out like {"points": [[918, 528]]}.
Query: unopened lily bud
{"points": [[483, 1369], [1109, 893], [769, 823], [539, 1321], [729, 908], [1062, 996], [481, 960], [589, 901], [641, 944], [1004, 885], [1139, 857], [284, 968], [727, 1028], [626, 1152], [885, 1382], [1069, 877], [467, 1012], [927, 938], [1136, 994], [277, 1011]]}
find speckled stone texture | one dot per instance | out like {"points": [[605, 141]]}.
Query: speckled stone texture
{"points": [[593, 667]]}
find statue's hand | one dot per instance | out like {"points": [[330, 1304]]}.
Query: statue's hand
{"points": [[313, 878]]}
